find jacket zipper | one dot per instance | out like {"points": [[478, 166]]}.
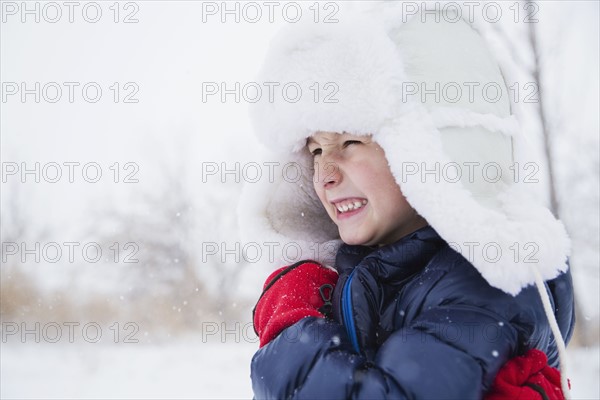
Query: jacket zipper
{"points": [[347, 312]]}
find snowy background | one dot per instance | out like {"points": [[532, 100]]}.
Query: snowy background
{"points": [[176, 323]]}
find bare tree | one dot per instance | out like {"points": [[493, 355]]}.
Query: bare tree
{"points": [[167, 228], [19, 294]]}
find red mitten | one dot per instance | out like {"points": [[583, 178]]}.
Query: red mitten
{"points": [[301, 290], [527, 377]]}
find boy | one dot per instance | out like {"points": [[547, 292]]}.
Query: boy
{"points": [[431, 293]]}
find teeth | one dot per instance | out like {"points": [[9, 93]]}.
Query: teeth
{"points": [[353, 205]]}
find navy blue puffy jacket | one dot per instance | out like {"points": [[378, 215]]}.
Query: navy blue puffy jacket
{"points": [[413, 319]]}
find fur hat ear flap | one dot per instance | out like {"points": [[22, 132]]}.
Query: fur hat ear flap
{"points": [[285, 214]]}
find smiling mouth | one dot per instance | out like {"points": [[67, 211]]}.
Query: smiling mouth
{"points": [[348, 206]]}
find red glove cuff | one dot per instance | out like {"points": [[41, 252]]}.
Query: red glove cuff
{"points": [[284, 320]]}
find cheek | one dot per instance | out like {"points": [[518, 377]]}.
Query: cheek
{"points": [[383, 191], [377, 181], [321, 195], [320, 192]]}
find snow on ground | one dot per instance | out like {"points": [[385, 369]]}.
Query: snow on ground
{"points": [[184, 370], [191, 370]]}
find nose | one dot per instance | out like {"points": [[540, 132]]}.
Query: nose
{"points": [[329, 173]]}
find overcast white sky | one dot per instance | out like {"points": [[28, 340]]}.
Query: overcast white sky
{"points": [[166, 55]]}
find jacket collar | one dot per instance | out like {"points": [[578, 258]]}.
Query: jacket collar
{"points": [[395, 260]]}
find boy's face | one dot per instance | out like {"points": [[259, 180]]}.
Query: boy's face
{"points": [[351, 173]]}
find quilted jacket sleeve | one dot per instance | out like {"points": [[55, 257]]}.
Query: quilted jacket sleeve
{"points": [[314, 359]]}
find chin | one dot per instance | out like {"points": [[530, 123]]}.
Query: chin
{"points": [[355, 240]]}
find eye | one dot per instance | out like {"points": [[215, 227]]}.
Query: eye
{"points": [[349, 142], [316, 152]]}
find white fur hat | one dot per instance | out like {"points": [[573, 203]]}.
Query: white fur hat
{"points": [[434, 98]]}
